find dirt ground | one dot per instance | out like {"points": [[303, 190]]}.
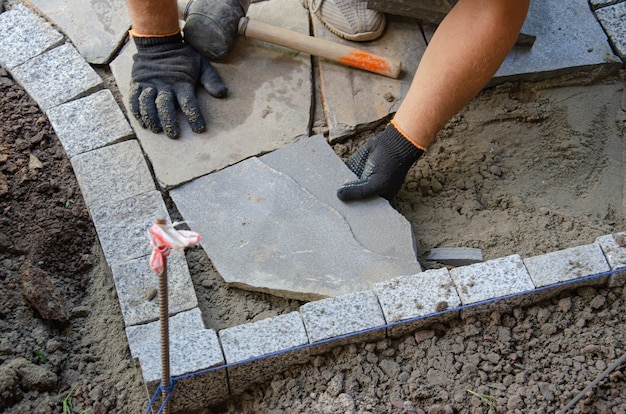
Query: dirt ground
{"points": [[527, 168]]}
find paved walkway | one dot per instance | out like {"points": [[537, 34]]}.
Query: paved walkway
{"points": [[260, 188]]}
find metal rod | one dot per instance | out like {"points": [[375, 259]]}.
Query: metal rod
{"points": [[165, 336]]}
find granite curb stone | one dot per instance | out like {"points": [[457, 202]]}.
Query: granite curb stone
{"points": [[550, 272], [127, 174], [89, 123], [613, 247], [192, 355], [24, 35], [492, 279], [261, 349], [407, 300], [566, 265], [357, 315], [612, 20], [122, 227], [137, 288], [49, 86], [144, 337]]}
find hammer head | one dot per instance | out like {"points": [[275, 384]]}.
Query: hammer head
{"points": [[211, 26]]}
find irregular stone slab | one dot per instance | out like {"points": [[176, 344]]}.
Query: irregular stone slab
{"points": [[432, 11], [24, 35], [313, 164], [192, 355], [612, 19], [269, 103], [114, 173], [566, 265], [354, 99], [57, 76], [455, 256], [142, 339], [96, 28], [264, 348], [569, 39], [351, 318], [414, 301], [614, 248], [595, 4], [492, 279], [122, 227], [89, 123], [138, 288], [264, 232]]}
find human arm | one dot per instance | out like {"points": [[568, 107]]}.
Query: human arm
{"points": [[465, 52]]}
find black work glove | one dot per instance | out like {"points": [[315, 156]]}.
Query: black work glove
{"points": [[165, 72], [381, 165]]}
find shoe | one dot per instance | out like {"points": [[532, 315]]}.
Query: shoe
{"points": [[348, 19]]}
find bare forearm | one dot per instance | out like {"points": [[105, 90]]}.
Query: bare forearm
{"points": [[153, 17], [465, 52]]}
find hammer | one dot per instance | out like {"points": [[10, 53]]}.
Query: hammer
{"points": [[211, 27]]}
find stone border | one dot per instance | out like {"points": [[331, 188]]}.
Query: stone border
{"points": [[234, 358], [208, 366]]}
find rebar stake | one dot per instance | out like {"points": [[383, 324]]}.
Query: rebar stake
{"points": [[165, 337], [163, 238]]}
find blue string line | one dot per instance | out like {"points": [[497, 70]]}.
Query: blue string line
{"points": [[173, 380]]}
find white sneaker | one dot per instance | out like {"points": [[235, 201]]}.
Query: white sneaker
{"points": [[348, 19]]}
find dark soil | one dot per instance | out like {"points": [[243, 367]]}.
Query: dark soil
{"points": [[49, 294]]}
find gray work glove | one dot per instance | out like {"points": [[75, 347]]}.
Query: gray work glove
{"points": [[381, 165], [165, 73]]}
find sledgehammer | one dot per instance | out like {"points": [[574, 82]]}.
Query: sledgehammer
{"points": [[211, 27]]}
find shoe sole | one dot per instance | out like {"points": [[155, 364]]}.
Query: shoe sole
{"points": [[359, 37]]}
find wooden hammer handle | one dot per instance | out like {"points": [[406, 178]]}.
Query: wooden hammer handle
{"points": [[350, 56]]}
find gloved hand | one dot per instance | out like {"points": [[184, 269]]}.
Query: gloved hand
{"points": [[165, 72], [381, 165]]}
